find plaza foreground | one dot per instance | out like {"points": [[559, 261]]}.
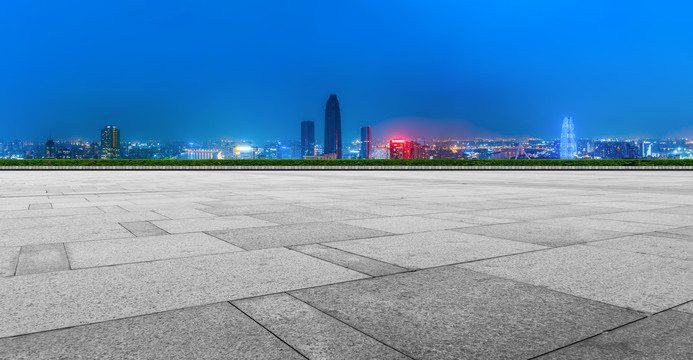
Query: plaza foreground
{"points": [[346, 265]]}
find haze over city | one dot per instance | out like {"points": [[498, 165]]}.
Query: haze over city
{"points": [[191, 70]]}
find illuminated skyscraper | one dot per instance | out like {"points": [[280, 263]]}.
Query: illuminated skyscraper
{"points": [[50, 149], [307, 138], [333, 128], [568, 147], [366, 138], [110, 142]]}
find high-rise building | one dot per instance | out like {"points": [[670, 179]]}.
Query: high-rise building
{"points": [[366, 140], [50, 149], [403, 149], [110, 142], [333, 128], [568, 147], [307, 138]]}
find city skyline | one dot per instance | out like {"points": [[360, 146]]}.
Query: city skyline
{"points": [[251, 70]]}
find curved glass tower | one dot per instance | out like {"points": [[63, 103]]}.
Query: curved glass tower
{"points": [[333, 127], [568, 146]]}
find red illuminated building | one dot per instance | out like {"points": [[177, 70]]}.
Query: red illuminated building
{"points": [[403, 149]]}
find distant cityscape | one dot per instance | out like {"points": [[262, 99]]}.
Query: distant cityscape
{"points": [[567, 146]]}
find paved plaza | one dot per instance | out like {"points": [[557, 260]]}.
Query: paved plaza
{"points": [[346, 264]]}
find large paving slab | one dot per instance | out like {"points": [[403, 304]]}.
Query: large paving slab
{"points": [[662, 336], [655, 245], [36, 259], [8, 260], [451, 313], [307, 215], [210, 224], [650, 217], [59, 234], [642, 282], [313, 333], [542, 234], [545, 212], [349, 260], [143, 228], [130, 250], [436, 248], [406, 224], [295, 234], [218, 331], [56, 300], [687, 307]]}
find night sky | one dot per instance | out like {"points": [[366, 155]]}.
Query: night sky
{"points": [[199, 69]]}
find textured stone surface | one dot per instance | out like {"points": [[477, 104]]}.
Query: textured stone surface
{"points": [[352, 261], [210, 224], [428, 249], [295, 234], [312, 332], [131, 250], [216, 331], [642, 282], [450, 313], [429, 312], [8, 260], [542, 234], [55, 300], [143, 228], [36, 259], [662, 336], [655, 245], [406, 224]]}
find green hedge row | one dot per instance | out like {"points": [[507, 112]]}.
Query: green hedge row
{"points": [[436, 162]]}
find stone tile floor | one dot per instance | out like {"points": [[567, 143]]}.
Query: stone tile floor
{"points": [[346, 265]]}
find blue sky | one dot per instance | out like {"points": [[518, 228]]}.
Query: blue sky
{"points": [[200, 69]]}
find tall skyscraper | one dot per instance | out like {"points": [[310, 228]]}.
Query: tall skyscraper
{"points": [[568, 147], [307, 138], [366, 138], [50, 149], [110, 142], [333, 128]]}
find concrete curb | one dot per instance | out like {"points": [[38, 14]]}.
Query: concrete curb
{"points": [[352, 168]]}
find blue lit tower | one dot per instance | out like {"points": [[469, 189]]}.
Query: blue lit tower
{"points": [[568, 147], [333, 128], [307, 138], [366, 138]]}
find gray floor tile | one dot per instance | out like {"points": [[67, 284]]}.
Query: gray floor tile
{"points": [[650, 217], [312, 332], [468, 218], [450, 313], [313, 215], [184, 213], [252, 209], [210, 224], [545, 212], [655, 245], [61, 299], [685, 232], [216, 331], [406, 224], [662, 336], [40, 206], [130, 250], [296, 234], [542, 234], [36, 259], [423, 250], [642, 282], [8, 260], [349, 260], [143, 228], [65, 233], [604, 224]]}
